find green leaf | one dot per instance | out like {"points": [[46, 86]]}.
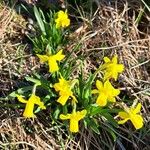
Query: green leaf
{"points": [[37, 82], [39, 20], [91, 123], [113, 135], [110, 119], [56, 113], [94, 110], [21, 91]]}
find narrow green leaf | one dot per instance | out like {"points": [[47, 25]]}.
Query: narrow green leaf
{"points": [[20, 91], [91, 123], [56, 113], [94, 110], [110, 119], [37, 82], [39, 20]]}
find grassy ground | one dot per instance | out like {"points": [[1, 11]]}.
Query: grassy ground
{"points": [[119, 27]]}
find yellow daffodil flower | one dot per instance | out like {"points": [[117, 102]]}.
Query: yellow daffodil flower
{"points": [[52, 60], [106, 93], [131, 114], [62, 19], [112, 68], [75, 117], [64, 89], [28, 112]]}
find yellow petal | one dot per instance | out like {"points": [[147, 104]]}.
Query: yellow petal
{"points": [[21, 99], [63, 99], [53, 66], [123, 121], [65, 117], [114, 75], [107, 85], [75, 118], [59, 56], [101, 100], [116, 92], [28, 112], [114, 59], [112, 91], [66, 23], [60, 14], [107, 75], [123, 115], [106, 59], [74, 125], [120, 68], [43, 58], [80, 114], [137, 121], [95, 91], [138, 108], [99, 85], [112, 100], [57, 87], [36, 100]]}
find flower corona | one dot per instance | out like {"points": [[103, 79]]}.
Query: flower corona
{"points": [[75, 117], [28, 112]]}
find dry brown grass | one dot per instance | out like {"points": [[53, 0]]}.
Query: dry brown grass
{"points": [[17, 133], [16, 59], [112, 30], [115, 31]]}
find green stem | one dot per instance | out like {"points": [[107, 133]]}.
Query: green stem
{"points": [[34, 89], [74, 107]]}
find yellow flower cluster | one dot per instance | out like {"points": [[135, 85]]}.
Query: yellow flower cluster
{"points": [[64, 89], [105, 91]]}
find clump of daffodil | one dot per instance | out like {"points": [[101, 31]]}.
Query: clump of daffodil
{"points": [[75, 117], [64, 88], [62, 19], [28, 112], [132, 115], [52, 60], [112, 68], [106, 93]]}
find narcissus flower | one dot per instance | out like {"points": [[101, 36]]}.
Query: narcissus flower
{"points": [[52, 60], [75, 117], [132, 114], [106, 92], [62, 19], [112, 68], [64, 89], [28, 112]]}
